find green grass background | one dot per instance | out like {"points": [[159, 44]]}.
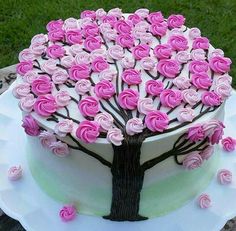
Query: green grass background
{"points": [[21, 19]]}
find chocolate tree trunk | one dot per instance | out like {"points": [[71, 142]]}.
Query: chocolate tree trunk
{"points": [[127, 181]]}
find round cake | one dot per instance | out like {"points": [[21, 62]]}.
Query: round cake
{"points": [[123, 112]]}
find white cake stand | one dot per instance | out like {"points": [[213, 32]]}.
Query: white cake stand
{"points": [[24, 200]]}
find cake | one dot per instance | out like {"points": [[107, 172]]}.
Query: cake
{"points": [[123, 112]]}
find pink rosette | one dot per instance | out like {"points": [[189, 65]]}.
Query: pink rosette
{"points": [[39, 39], [226, 79], [47, 138], [171, 98], [147, 63], [26, 103], [196, 133], [182, 57], [82, 86], [201, 80], [108, 74], [62, 98], [74, 37], [37, 49], [198, 66], [198, 54], [123, 26], [30, 76], [103, 27], [70, 24], [131, 77], [158, 29], [201, 42], [26, 55], [134, 126], [98, 53], [142, 26], [54, 25], [79, 71], [116, 12], [89, 106], [110, 19], [92, 43], [210, 98], [56, 35], [59, 149], [128, 99], [88, 131], [100, 13], [194, 33], [125, 40], [115, 136], [178, 42], [145, 105], [76, 49], [192, 161], [146, 38], [60, 77], [181, 82], [168, 68], [162, 51], [223, 90], [42, 85], [141, 51], [134, 18], [64, 127], [104, 89], [155, 17], [30, 125], [88, 14], [176, 31], [116, 52], [156, 121], [190, 96], [143, 13], [83, 58], [84, 21], [99, 64], [229, 144], [207, 152], [21, 90], [91, 29], [224, 176], [216, 52], [154, 87], [55, 51], [127, 62], [185, 114], [175, 21], [204, 201], [15, 173], [23, 67], [110, 35], [105, 120], [68, 213], [49, 66], [45, 105], [220, 64]]}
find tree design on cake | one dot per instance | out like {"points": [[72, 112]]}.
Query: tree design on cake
{"points": [[124, 79]]}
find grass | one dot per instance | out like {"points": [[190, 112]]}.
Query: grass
{"points": [[21, 19]]}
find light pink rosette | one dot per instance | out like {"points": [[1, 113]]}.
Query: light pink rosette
{"points": [[154, 87], [176, 31], [155, 17], [30, 125], [127, 62], [223, 90], [82, 22], [142, 26], [79, 71], [60, 77], [64, 127], [105, 120], [197, 66], [108, 74], [128, 99], [100, 13], [207, 152], [201, 42], [92, 43], [192, 161], [15, 173], [131, 77], [198, 54], [109, 19], [125, 40], [26, 55], [74, 37], [88, 14], [123, 26], [146, 38], [181, 82], [224, 176], [162, 51], [220, 64], [185, 114], [23, 67], [104, 89], [194, 33], [134, 18], [59, 149], [116, 12], [156, 121], [47, 138], [182, 57], [98, 53], [26, 104], [226, 79], [168, 68], [115, 136], [88, 131], [45, 105], [229, 144], [175, 21], [68, 213], [39, 39], [55, 51], [30, 76], [82, 86], [56, 35], [37, 49], [171, 98], [103, 27], [196, 133], [62, 98], [178, 42], [54, 25], [158, 29], [76, 49], [145, 105], [116, 52], [91, 29], [70, 24], [190, 96], [49, 66], [210, 98], [89, 106], [204, 201], [42, 85], [110, 35], [142, 12], [141, 51], [216, 52], [99, 64], [21, 90], [134, 126], [82, 58], [201, 80]]}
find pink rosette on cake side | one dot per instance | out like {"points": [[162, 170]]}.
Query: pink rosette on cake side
{"points": [[68, 213], [162, 51], [30, 125], [42, 85], [21, 90], [185, 115], [148, 63], [79, 71], [64, 127], [26, 103], [54, 25], [23, 67], [201, 42], [182, 82], [83, 86], [62, 98], [105, 120], [204, 201], [178, 42], [190, 96], [73, 37], [196, 133], [56, 35], [116, 52], [158, 29], [26, 55], [115, 136], [55, 51], [131, 77], [192, 161], [60, 77], [224, 176], [145, 105], [92, 43], [15, 173], [128, 99], [47, 138], [104, 89], [223, 90], [99, 64], [175, 21], [201, 80], [207, 152], [228, 144], [220, 64], [141, 51], [168, 68], [154, 87], [89, 106], [134, 126], [125, 40], [210, 98], [59, 149], [171, 98], [198, 66]]}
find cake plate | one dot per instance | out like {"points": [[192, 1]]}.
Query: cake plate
{"points": [[26, 202]]}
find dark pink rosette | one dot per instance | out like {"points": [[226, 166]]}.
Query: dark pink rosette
{"points": [[141, 51], [210, 98], [89, 106], [229, 144], [23, 67], [111, 19], [154, 87], [74, 37], [176, 21], [125, 40], [99, 64], [91, 29], [55, 25], [171, 98], [123, 27], [131, 77], [155, 17], [92, 43], [134, 18], [168, 68], [79, 71], [56, 35], [178, 42], [196, 133], [158, 29], [42, 85], [198, 66], [201, 80], [128, 99], [201, 42], [68, 213], [30, 125], [104, 89], [220, 64], [55, 51], [88, 14], [162, 51]]}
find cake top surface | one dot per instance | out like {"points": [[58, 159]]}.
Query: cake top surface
{"points": [[110, 75]]}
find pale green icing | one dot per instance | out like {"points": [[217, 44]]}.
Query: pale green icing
{"points": [[156, 199]]}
